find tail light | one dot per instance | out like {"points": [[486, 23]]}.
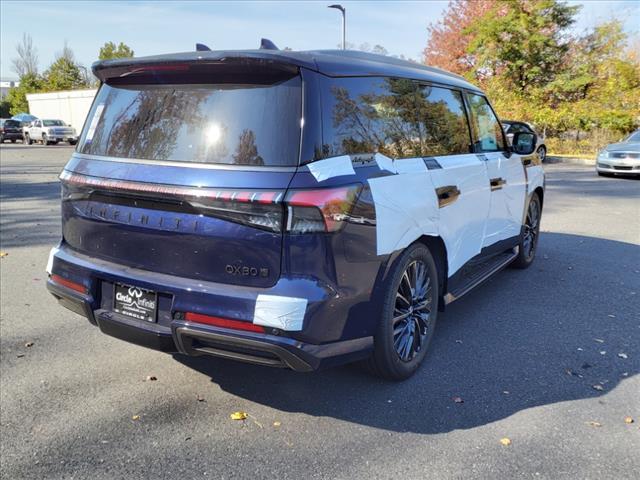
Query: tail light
{"points": [[320, 210], [307, 211]]}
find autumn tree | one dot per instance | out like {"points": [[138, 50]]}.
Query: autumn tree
{"points": [[449, 39], [110, 51]]}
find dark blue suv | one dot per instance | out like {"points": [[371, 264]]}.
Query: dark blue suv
{"points": [[293, 209]]}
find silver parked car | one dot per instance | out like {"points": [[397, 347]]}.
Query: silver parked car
{"points": [[512, 127], [620, 158]]}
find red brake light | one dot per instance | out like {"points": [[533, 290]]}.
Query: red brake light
{"points": [[68, 283], [320, 210], [222, 322]]}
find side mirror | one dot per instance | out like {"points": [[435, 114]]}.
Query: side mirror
{"points": [[524, 143]]}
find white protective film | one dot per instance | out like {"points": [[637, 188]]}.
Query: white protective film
{"points": [[536, 177], [507, 203], [406, 206], [285, 313], [385, 163], [331, 167], [52, 254]]}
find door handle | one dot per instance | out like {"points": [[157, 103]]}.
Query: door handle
{"points": [[447, 195], [497, 183]]}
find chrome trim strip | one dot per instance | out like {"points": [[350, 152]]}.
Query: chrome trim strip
{"points": [[170, 163]]}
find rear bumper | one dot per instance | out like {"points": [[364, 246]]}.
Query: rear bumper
{"points": [[12, 136], [173, 334]]}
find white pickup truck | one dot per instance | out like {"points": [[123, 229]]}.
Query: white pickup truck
{"points": [[50, 132]]}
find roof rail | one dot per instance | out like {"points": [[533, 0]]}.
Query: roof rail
{"points": [[201, 47], [266, 44]]}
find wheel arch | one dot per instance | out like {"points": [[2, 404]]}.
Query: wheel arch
{"points": [[439, 251]]}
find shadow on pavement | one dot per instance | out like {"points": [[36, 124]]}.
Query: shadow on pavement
{"points": [[525, 339]]}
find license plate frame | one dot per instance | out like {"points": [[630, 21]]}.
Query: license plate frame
{"points": [[135, 302]]}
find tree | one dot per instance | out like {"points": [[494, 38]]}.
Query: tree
{"points": [[449, 39], [27, 60], [110, 51], [64, 73], [17, 96], [524, 41]]}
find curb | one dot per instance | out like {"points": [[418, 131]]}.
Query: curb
{"points": [[574, 160]]}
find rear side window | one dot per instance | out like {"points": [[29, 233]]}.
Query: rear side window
{"points": [[486, 130], [393, 116], [238, 124]]}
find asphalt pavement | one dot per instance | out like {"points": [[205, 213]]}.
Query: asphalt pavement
{"points": [[547, 358]]}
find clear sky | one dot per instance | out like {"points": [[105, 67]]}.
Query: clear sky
{"points": [[171, 26]]}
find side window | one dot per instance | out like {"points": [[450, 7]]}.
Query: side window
{"points": [[393, 116], [485, 128], [443, 123]]}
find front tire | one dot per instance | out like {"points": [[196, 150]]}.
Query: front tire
{"points": [[27, 140], [409, 314], [529, 242]]}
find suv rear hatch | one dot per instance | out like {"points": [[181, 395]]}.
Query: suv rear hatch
{"points": [[182, 169]]}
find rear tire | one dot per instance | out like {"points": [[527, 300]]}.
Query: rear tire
{"points": [[13, 140], [409, 315], [529, 241], [542, 153], [72, 142]]}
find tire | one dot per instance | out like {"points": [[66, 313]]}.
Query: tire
{"points": [[72, 142], [44, 140], [529, 242], [13, 140], [542, 153], [398, 353], [27, 140]]}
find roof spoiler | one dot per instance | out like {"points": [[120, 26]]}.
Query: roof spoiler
{"points": [[266, 44]]}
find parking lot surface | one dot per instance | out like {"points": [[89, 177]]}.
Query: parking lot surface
{"points": [[546, 357]]}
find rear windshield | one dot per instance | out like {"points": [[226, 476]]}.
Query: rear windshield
{"points": [[11, 123], [53, 123], [224, 124]]}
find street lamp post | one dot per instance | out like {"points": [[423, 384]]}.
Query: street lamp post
{"points": [[344, 24]]}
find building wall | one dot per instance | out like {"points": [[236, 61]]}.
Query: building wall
{"points": [[71, 107]]}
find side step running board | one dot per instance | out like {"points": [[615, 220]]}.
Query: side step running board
{"points": [[477, 274]]}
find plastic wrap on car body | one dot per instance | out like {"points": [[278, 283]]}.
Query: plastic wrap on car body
{"points": [[285, 313]]}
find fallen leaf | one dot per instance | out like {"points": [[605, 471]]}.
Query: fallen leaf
{"points": [[200, 398], [611, 315], [151, 378], [458, 400], [20, 355], [603, 352], [28, 344], [458, 341], [569, 268], [625, 374], [628, 420], [506, 392], [594, 424], [598, 387], [135, 417], [239, 416], [3, 254], [599, 340], [505, 441], [277, 424], [580, 349], [623, 355]]}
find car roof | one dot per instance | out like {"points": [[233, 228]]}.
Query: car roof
{"points": [[333, 63]]}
